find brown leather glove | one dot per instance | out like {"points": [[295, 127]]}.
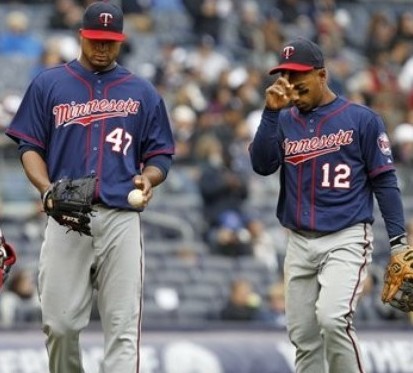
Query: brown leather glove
{"points": [[398, 278]]}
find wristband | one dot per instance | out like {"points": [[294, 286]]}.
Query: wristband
{"points": [[399, 242]]}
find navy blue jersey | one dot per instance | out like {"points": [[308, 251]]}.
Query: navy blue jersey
{"points": [[327, 158], [108, 123]]}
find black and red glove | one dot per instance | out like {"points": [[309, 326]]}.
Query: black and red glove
{"points": [[7, 259]]}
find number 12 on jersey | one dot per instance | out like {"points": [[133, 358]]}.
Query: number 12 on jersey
{"points": [[337, 177]]}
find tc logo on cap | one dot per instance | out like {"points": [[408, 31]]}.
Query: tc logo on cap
{"points": [[300, 55], [288, 52], [105, 19]]}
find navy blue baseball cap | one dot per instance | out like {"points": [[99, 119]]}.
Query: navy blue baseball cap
{"points": [[300, 55], [103, 21]]}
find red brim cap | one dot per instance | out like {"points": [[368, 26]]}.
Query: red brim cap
{"points": [[292, 67], [102, 35]]}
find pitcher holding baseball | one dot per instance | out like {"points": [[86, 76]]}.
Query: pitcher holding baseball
{"points": [[92, 116]]}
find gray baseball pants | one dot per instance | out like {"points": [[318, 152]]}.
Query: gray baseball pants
{"points": [[71, 267], [324, 278]]}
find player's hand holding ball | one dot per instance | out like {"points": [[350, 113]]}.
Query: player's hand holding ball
{"points": [[136, 198], [141, 195]]}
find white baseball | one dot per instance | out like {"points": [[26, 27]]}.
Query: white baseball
{"points": [[135, 198]]}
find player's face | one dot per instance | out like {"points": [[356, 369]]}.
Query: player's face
{"points": [[99, 55], [308, 88]]}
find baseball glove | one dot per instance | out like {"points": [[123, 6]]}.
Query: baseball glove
{"points": [[398, 281], [7, 259], [69, 202]]}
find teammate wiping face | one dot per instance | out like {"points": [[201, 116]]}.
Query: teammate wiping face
{"points": [[333, 158], [302, 80], [306, 89]]}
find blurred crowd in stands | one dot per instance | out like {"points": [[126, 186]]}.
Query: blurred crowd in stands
{"points": [[214, 249]]}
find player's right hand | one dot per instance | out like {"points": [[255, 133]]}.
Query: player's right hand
{"points": [[280, 94], [143, 183]]}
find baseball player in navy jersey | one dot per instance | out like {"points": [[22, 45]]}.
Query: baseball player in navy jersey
{"points": [[92, 116], [333, 156]]}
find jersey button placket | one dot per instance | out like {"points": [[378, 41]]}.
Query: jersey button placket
{"points": [[96, 129], [305, 218], [94, 145], [94, 155], [311, 125], [98, 88]]}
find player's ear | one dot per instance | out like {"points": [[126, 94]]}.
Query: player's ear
{"points": [[322, 73]]}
